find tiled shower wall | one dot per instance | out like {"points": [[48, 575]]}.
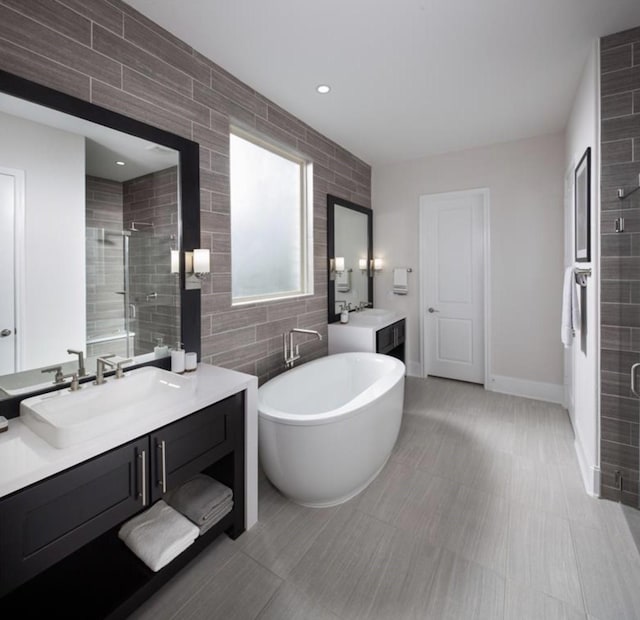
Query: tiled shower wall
{"points": [[620, 263], [107, 53], [151, 202], [104, 261]]}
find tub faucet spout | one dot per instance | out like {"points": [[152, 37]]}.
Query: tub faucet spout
{"points": [[291, 353]]}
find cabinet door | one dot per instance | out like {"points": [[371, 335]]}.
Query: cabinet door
{"points": [[400, 330], [385, 340], [47, 521], [186, 447]]}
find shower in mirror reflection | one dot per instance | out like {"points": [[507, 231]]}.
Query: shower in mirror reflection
{"points": [[132, 298]]}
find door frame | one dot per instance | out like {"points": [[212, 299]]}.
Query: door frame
{"points": [[423, 205], [19, 258]]}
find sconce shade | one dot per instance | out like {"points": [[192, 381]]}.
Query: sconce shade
{"points": [[377, 264], [201, 261], [339, 263], [175, 261], [362, 263]]}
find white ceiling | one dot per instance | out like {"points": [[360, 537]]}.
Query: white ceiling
{"points": [[409, 78], [103, 145]]}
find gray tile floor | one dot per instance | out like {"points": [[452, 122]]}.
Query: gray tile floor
{"points": [[479, 513]]}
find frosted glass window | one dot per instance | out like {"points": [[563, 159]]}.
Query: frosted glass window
{"points": [[269, 224]]}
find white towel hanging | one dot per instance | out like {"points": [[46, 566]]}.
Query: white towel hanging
{"points": [[343, 280], [400, 281], [570, 308]]}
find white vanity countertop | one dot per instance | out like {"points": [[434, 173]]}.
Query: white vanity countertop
{"points": [[25, 458], [362, 321]]}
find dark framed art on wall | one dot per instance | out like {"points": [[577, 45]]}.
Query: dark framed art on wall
{"points": [[582, 203]]}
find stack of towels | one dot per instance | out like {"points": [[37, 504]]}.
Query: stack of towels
{"points": [[163, 532], [203, 500]]}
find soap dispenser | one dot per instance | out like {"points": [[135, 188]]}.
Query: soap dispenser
{"points": [[177, 359], [344, 315], [160, 350]]}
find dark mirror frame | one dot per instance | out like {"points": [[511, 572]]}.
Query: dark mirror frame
{"points": [[189, 187], [332, 202]]}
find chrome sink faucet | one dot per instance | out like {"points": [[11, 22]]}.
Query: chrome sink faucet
{"points": [[291, 355], [81, 369], [101, 362]]}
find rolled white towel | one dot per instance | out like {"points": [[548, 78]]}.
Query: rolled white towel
{"points": [[158, 535]]}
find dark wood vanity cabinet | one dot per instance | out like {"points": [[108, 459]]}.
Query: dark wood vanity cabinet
{"points": [[390, 340], [67, 524], [49, 520]]}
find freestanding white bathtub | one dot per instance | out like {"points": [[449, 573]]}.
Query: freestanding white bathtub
{"points": [[327, 428]]}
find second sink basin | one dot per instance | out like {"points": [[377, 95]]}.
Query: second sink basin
{"points": [[65, 418], [370, 317]]}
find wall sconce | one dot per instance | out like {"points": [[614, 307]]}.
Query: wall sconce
{"points": [[175, 261], [197, 266], [362, 264], [378, 263], [339, 264]]}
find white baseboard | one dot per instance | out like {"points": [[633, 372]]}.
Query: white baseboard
{"points": [[549, 392], [414, 369], [590, 473]]}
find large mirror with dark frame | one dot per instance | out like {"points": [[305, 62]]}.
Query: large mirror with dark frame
{"points": [[350, 252], [95, 209]]}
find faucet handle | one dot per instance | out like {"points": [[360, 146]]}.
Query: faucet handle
{"points": [[59, 377], [119, 371]]}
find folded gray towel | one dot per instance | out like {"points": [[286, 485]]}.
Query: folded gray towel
{"points": [[198, 498], [224, 509]]}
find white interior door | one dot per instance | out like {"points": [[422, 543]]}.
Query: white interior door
{"points": [[7, 274], [453, 317]]}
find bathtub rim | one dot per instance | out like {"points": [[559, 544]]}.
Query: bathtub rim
{"points": [[356, 406]]}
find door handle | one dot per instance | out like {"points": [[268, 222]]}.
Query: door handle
{"points": [[4, 333], [633, 379], [432, 310]]}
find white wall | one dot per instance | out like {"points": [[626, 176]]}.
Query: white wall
{"points": [[525, 181], [54, 295], [581, 370]]}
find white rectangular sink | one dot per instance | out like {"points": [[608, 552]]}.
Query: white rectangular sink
{"points": [[370, 317], [66, 418]]}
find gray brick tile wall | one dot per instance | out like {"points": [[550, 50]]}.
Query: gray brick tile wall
{"points": [[620, 266], [106, 52]]}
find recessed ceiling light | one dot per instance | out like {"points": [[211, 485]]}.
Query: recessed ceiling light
{"points": [[323, 89], [120, 163]]}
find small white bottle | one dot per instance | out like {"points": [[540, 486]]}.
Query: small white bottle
{"points": [[344, 315], [160, 350], [177, 359]]}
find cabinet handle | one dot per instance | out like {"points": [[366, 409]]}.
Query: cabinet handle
{"points": [[163, 460], [142, 457]]}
